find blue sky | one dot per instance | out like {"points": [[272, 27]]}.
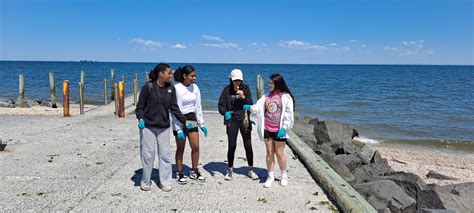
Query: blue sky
{"points": [[314, 32]]}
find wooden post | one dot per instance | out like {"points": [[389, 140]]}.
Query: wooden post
{"points": [[259, 86], [82, 78], [135, 89], [112, 84], [116, 98], [123, 78], [66, 98], [21, 91], [52, 89], [147, 77], [121, 89], [81, 98], [105, 91]]}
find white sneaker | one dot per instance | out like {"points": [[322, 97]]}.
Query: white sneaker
{"points": [[269, 182], [228, 176], [252, 175], [284, 181]]}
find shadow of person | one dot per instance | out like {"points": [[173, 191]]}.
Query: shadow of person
{"points": [[137, 176], [220, 167]]}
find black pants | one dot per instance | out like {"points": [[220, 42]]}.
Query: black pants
{"points": [[232, 130]]}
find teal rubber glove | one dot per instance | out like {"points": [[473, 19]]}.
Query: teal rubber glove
{"points": [[281, 133], [252, 122], [247, 107], [204, 130], [190, 126], [141, 124], [228, 115], [180, 135]]}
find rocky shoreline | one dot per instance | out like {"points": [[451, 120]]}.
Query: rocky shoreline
{"points": [[387, 187]]}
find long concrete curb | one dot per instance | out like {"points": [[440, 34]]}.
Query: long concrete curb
{"points": [[348, 199]]}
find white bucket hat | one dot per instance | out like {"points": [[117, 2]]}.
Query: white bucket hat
{"points": [[236, 74]]}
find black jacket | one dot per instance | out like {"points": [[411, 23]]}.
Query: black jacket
{"points": [[155, 103], [230, 102]]}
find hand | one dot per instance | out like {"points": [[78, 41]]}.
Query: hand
{"points": [[141, 124], [281, 133], [228, 115], [204, 130], [180, 135], [247, 107], [240, 93]]}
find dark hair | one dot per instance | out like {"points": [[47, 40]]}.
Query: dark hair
{"points": [[186, 70], [281, 86], [161, 67]]}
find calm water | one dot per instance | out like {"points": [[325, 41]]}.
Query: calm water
{"points": [[385, 102]]}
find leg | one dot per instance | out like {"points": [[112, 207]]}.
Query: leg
{"points": [[232, 131], [180, 146], [147, 153], [163, 138], [194, 142], [270, 147], [280, 153]]}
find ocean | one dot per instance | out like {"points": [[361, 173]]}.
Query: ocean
{"points": [[428, 105]]}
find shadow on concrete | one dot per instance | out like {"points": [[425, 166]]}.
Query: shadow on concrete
{"points": [[220, 167]]}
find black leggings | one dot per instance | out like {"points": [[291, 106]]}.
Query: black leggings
{"points": [[232, 130]]}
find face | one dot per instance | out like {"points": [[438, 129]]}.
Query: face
{"points": [[236, 83], [166, 75], [271, 86], [191, 78]]}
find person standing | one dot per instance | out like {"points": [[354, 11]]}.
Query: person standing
{"points": [[231, 102], [157, 98]]}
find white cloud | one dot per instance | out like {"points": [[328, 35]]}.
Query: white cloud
{"points": [[344, 49], [353, 41], [264, 44], [211, 38], [178, 46], [363, 46], [393, 49], [254, 44], [333, 44], [294, 44], [415, 48], [223, 45], [147, 44]]}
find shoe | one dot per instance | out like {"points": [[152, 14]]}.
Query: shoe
{"points": [[180, 178], [166, 188], [252, 175], [196, 175], [269, 182], [228, 176], [145, 187], [284, 181]]}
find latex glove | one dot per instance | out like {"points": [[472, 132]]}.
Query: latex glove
{"points": [[190, 126], [180, 135], [281, 133], [247, 107], [141, 124], [252, 122], [204, 130], [228, 115]]}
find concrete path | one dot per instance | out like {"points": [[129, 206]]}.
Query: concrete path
{"points": [[92, 162]]}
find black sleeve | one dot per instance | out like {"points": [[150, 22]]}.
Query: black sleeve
{"points": [[248, 96], [222, 105], [174, 108], [142, 99]]}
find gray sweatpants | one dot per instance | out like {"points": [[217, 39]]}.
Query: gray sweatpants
{"points": [[150, 140]]}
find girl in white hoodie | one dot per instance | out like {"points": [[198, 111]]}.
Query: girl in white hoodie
{"points": [[274, 113]]}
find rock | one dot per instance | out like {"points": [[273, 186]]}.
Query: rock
{"points": [[320, 131], [350, 161], [424, 210], [7, 102], [324, 148], [385, 194], [331, 131], [378, 167], [339, 167], [458, 197], [305, 132], [439, 176]]}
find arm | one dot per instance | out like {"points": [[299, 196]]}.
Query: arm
{"points": [[255, 109], [288, 114], [198, 107], [248, 96], [142, 100], [174, 108], [177, 125], [222, 105]]}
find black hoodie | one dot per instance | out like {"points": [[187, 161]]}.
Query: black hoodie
{"points": [[229, 101]]}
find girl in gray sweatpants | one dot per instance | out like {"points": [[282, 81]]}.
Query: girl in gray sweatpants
{"points": [[157, 99]]}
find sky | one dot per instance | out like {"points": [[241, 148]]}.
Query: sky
{"points": [[253, 31]]}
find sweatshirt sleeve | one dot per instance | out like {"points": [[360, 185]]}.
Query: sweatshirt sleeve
{"points": [[177, 125], [174, 108], [142, 100], [248, 96], [288, 114], [259, 106], [222, 105], [198, 107]]}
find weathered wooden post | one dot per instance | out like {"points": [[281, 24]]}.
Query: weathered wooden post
{"points": [[105, 91], [116, 98], [135, 89], [52, 89], [259, 86], [123, 78], [121, 89], [112, 84], [83, 75], [81, 98], [66, 98], [21, 91]]}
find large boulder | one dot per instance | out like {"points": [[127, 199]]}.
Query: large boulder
{"points": [[385, 194], [378, 167], [331, 131], [459, 197], [350, 161], [7, 102], [339, 167], [305, 132]]}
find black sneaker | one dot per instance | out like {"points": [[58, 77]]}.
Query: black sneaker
{"points": [[196, 175], [180, 178]]}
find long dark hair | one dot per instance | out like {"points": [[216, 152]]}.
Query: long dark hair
{"points": [[281, 86], [186, 70], [161, 67]]}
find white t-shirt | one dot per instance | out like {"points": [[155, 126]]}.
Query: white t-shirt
{"points": [[189, 100]]}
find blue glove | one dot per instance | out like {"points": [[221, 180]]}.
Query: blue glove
{"points": [[228, 115], [141, 124], [180, 135], [204, 130], [247, 107], [190, 126], [252, 122], [281, 133]]}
